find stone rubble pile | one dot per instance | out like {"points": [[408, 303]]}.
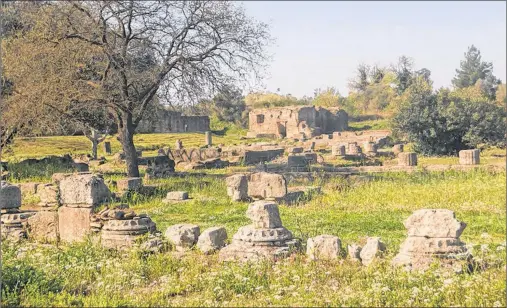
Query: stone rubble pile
{"points": [[265, 238], [433, 234], [257, 186], [12, 221]]}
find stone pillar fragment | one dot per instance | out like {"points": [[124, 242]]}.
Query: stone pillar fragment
{"points": [[469, 157], [208, 139], [338, 150], [107, 148], [407, 159]]}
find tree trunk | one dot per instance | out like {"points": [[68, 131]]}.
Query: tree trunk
{"points": [[94, 149], [126, 138]]}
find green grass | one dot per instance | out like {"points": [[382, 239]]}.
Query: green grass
{"points": [[87, 275], [369, 125]]}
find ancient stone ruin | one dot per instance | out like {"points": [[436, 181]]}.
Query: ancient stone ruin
{"points": [[433, 234], [407, 159], [295, 122], [265, 238], [469, 157], [258, 186], [11, 220], [166, 121], [324, 247]]}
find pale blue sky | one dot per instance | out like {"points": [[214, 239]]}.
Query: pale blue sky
{"points": [[319, 44]]}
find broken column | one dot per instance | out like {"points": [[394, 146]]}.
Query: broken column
{"points": [[323, 247], [338, 150], [407, 159], [265, 238], [433, 234], [263, 185], [370, 148], [107, 147], [11, 220], [469, 157], [124, 231], [208, 139], [237, 187], [353, 149], [79, 195], [183, 236]]}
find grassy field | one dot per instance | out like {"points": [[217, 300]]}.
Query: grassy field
{"points": [[87, 275], [352, 209]]}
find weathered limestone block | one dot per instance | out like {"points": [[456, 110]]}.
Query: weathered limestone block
{"points": [[74, 223], [323, 247], [124, 233], [129, 184], [208, 138], [83, 190], [176, 196], [249, 235], [370, 147], [81, 167], [433, 234], [407, 159], [397, 148], [338, 150], [434, 223], [10, 196], [47, 194], [353, 149], [373, 248], [43, 226], [298, 163], [212, 239], [354, 252], [264, 215], [12, 226], [311, 158], [263, 185], [183, 236], [237, 187], [28, 188], [469, 157]]}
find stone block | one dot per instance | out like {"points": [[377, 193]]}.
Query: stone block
{"points": [[43, 226], [208, 138], [183, 236], [354, 252], [28, 188], [264, 215], [47, 194], [212, 239], [407, 159], [297, 163], [323, 247], [370, 147], [81, 167], [338, 150], [469, 157], [374, 248], [10, 196], [263, 185], [237, 187], [177, 195], [295, 150], [438, 223], [397, 148], [83, 190], [107, 147], [74, 223], [129, 184]]}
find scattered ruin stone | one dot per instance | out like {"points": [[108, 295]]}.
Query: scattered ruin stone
{"points": [[28, 188], [237, 187], [83, 190], [295, 150], [433, 234], [354, 252], [183, 236], [74, 223], [178, 145], [323, 247], [397, 148], [374, 248], [176, 196], [252, 244], [124, 233], [407, 159], [338, 150], [129, 184], [263, 185], [353, 149], [11, 226], [10, 196], [48, 195], [312, 158], [370, 148], [158, 166], [311, 147], [208, 139], [298, 163], [107, 147], [469, 157], [43, 226], [212, 239], [255, 157]]}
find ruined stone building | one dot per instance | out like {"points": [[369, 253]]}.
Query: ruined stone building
{"points": [[166, 121], [296, 122]]}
